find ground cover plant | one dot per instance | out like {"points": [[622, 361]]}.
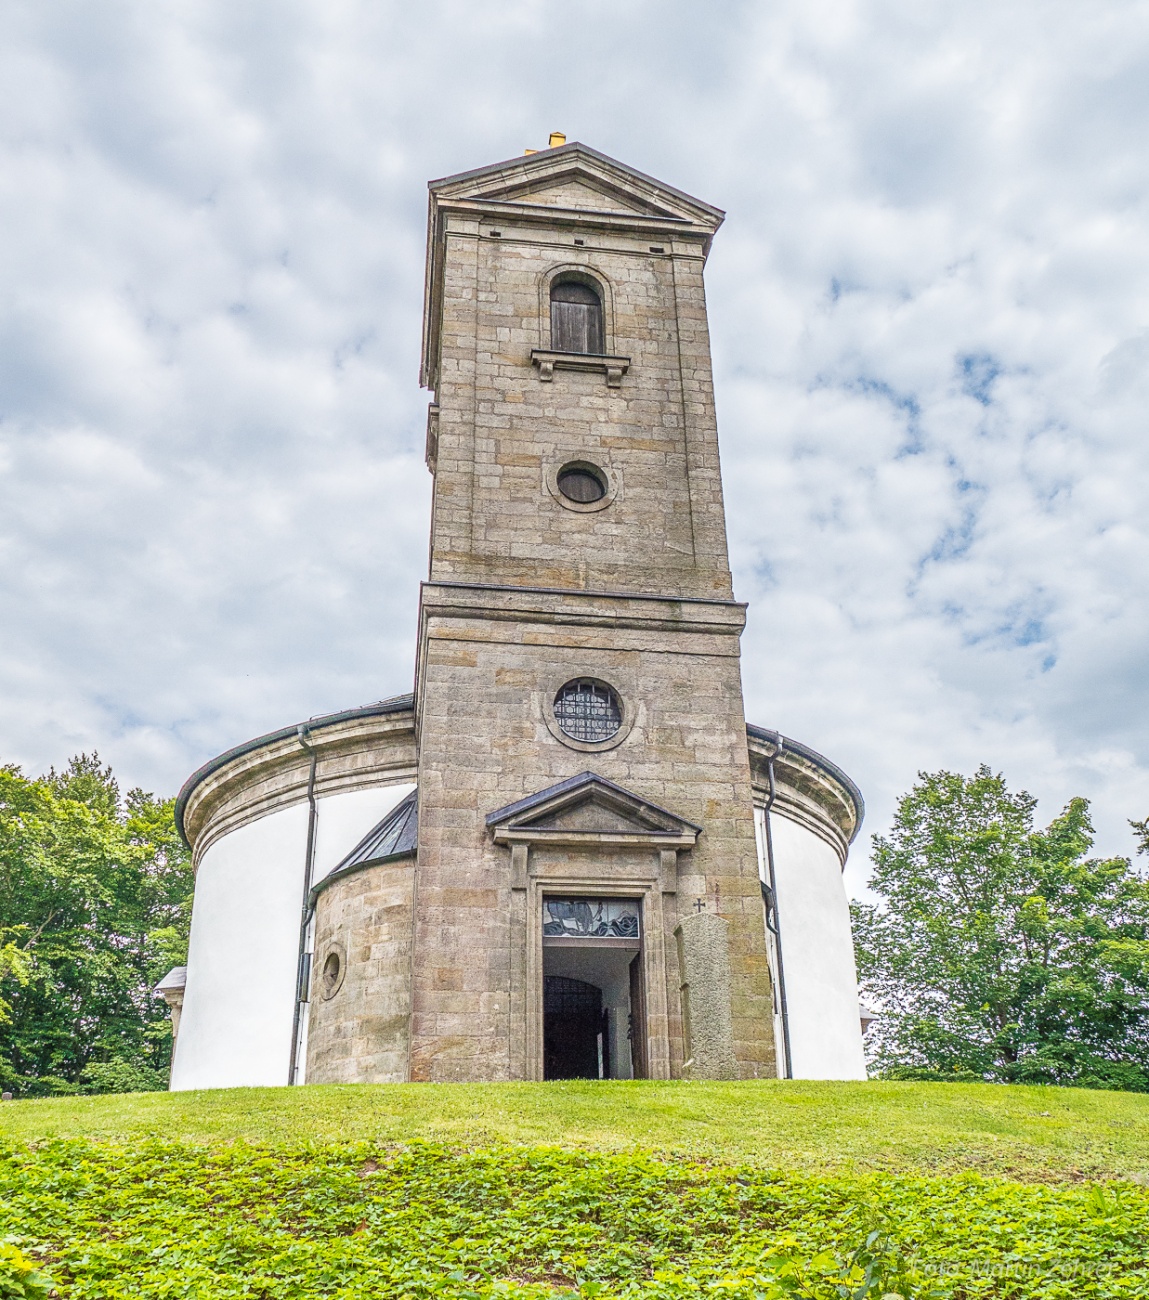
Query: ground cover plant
{"points": [[760, 1190], [353, 1220]]}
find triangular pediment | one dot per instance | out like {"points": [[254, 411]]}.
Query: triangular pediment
{"points": [[590, 805], [577, 189], [593, 815], [576, 193], [577, 178]]}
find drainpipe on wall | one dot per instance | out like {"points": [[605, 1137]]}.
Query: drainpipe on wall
{"points": [[303, 968], [772, 922]]}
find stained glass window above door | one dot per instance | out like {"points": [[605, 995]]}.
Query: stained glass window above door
{"points": [[591, 918]]}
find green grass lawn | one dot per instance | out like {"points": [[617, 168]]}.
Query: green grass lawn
{"points": [[1032, 1134], [621, 1191]]}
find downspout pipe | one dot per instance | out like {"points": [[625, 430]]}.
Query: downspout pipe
{"points": [[772, 920], [303, 966]]}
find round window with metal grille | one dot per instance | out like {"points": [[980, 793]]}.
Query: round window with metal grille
{"points": [[587, 710]]}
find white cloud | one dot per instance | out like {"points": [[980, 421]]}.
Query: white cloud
{"points": [[930, 312]]}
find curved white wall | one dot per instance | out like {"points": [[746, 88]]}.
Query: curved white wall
{"points": [[239, 1003], [235, 1030], [817, 954]]}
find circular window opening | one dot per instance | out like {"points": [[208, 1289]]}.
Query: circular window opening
{"points": [[588, 710], [582, 483], [331, 973]]}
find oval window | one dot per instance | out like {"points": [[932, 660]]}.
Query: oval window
{"points": [[581, 483], [331, 968]]}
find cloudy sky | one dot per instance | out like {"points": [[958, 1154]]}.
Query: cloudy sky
{"points": [[930, 319]]}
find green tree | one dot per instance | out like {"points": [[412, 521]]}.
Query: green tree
{"points": [[1141, 830], [1001, 951], [95, 894], [14, 964]]}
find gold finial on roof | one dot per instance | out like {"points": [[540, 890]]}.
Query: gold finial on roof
{"points": [[557, 138]]}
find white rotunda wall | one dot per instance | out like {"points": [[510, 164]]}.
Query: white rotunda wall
{"points": [[239, 1003], [235, 1030], [813, 917]]}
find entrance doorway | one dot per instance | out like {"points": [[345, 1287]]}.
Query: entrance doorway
{"points": [[576, 1030], [594, 1023]]}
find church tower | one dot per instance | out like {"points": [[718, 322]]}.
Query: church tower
{"points": [[565, 854], [578, 699]]}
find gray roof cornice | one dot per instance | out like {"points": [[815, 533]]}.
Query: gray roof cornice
{"points": [[396, 704], [784, 743]]}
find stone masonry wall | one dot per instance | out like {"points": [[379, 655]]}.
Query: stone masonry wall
{"points": [[501, 428], [358, 1033]]}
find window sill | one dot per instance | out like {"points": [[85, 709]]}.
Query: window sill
{"points": [[548, 362]]}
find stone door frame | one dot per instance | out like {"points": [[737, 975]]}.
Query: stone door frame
{"points": [[594, 883], [634, 855]]}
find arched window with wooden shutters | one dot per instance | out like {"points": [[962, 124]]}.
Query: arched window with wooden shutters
{"points": [[576, 318]]}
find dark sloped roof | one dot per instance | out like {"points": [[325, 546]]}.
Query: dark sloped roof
{"points": [[397, 833], [396, 836]]}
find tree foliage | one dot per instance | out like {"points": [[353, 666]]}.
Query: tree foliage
{"points": [[1001, 951], [1141, 830], [95, 903]]}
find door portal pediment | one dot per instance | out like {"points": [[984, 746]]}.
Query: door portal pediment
{"points": [[589, 808]]}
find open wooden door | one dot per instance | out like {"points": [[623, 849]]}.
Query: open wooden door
{"points": [[637, 1019]]}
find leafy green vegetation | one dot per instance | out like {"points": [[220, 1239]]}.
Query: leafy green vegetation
{"points": [[21, 1278], [1001, 951], [1027, 1133], [95, 895], [354, 1220]]}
